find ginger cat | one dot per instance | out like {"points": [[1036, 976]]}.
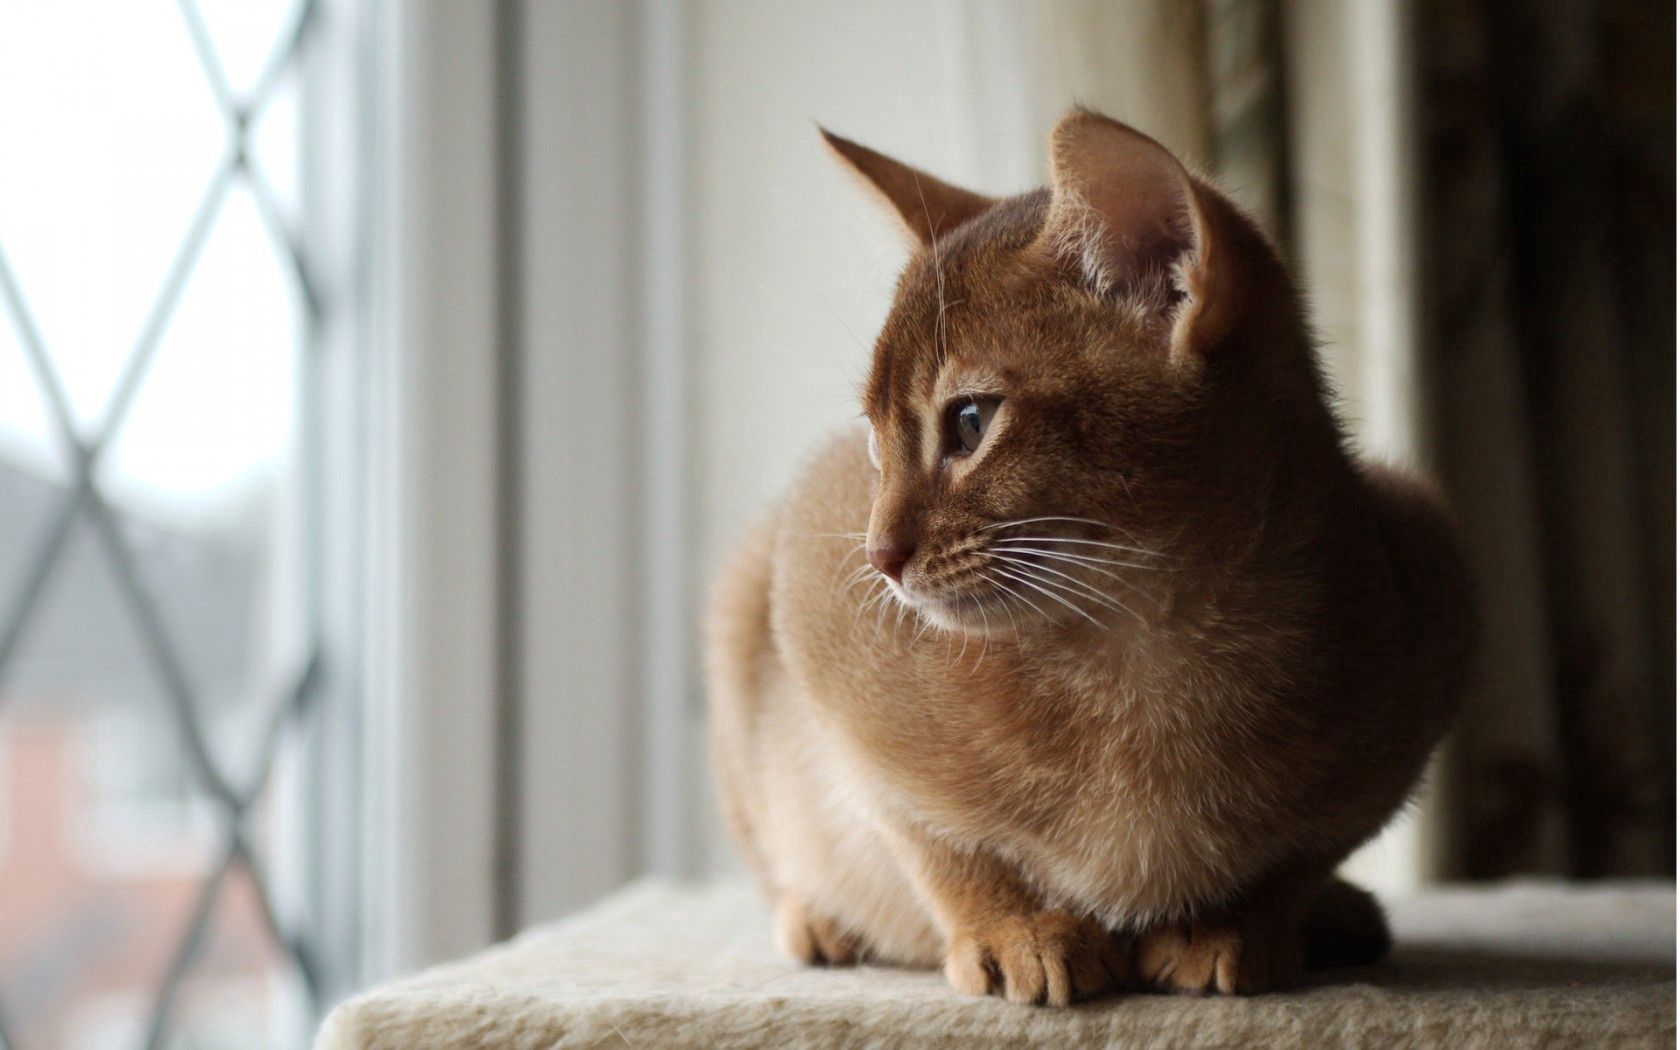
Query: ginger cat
{"points": [[1091, 659]]}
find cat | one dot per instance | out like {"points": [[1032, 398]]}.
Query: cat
{"points": [[1084, 663]]}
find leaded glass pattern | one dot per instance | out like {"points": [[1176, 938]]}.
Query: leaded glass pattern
{"points": [[131, 632]]}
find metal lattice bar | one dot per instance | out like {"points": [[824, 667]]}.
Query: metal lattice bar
{"points": [[85, 455], [41, 567], [179, 965], [85, 498], [294, 946], [155, 634], [205, 49], [35, 350], [269, 207], [289, 709], [163, 307]]}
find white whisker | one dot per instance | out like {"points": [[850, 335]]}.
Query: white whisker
{"points": [[1012, 593], [871, 598], [1065, 556], [1080, 560], [938, 279], [853, 578], [1074, 520], [1050, 594], [1014, 626], [1087, 543], [1050, 517], [1090, 591], [887, 600], [1078, 589], [841, 563]]}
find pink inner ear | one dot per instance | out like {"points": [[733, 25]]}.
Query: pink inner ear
{"points": [[1122, 201]]}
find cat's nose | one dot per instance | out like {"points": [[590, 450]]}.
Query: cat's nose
{"points": [[889, 558]]}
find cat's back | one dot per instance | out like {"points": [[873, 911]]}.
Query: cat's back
{"points": [[819, 521], [788, 569], [1430, 571], [747, 674], [830, 497], [818, 562]]}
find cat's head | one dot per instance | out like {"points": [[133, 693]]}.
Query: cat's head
{"points": [[1078, 388]]}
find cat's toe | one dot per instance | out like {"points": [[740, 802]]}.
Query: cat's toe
{"points": [[808, 937], [1212, 959], [1049, 959], [968, 966]]}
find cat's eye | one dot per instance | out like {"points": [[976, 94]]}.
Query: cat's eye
{"points": [[966, 422]]}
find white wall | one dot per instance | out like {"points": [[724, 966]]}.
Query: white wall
{"points": [[431, 545], [579, 271], [440, 752], [791, 268]]}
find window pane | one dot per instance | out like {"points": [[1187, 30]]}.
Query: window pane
{"points": [[93, 210], [154, 549], [107, 838], [245, 34]]}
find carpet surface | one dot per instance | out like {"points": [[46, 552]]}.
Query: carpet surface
{"points": [[1522, 964]]}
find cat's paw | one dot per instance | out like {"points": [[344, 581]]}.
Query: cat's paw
{"points": [[1050, 958], [808, 937], [1198, 959]]}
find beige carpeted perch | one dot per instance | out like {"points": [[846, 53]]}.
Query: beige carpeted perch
{"points": [[1527, 964]]}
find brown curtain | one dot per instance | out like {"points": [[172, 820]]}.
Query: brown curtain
{"points": [[1548, 264], [1247, 111]]}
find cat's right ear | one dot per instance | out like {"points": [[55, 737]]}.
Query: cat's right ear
{"points": [[1132, 223], [928, 207]]}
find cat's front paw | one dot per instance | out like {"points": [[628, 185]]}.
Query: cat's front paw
{"points": [[1202, 958], [806, 936], [1049, 958]]}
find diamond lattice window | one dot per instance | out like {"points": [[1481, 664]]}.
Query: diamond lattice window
{"points": [[161, 670]]}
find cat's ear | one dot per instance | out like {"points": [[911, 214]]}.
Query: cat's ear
{"points": [[1134, 224], [927, 206]]}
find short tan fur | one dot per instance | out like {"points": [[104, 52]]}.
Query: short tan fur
{"points": [[1086, 662]]}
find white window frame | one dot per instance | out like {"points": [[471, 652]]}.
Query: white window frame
{"points": [[431, 530], [605, 695]]}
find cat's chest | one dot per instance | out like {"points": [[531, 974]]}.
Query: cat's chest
{"points": [[1033, 746]]}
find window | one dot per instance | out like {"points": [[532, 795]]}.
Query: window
{"points": [[129, 807], [165, 320]]}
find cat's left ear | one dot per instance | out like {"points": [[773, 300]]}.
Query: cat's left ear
{"points": [[1132, 223], [928, 207]]}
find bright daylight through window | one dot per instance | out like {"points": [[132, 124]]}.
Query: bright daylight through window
{"points": [[161, 671]]}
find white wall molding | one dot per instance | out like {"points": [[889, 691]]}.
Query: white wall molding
{"points": [[669, 680], [583, 413], [431, 655], [560, 242]]}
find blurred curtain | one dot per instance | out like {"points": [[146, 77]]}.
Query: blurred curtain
{"points": [[1479, 195], [1547, 132]]}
